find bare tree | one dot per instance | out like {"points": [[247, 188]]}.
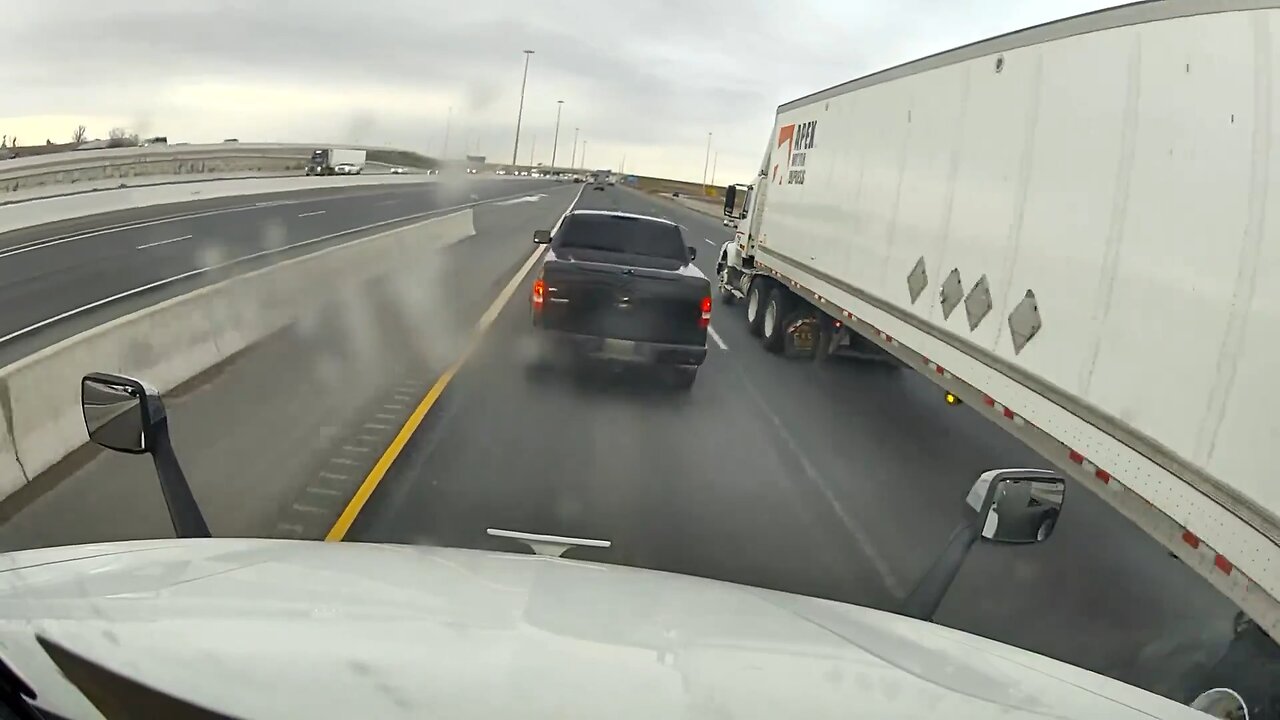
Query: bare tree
{"points": [[81, 132], [117, 133]]}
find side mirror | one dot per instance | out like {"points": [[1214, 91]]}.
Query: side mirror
{"points": [[126, 414], [1017, 506], [730, 192], [120, 412], [1012, 506], [1221, 703], [541, 237], [693, 252]]}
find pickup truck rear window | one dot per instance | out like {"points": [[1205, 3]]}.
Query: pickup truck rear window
{"points": [[611, 233]]}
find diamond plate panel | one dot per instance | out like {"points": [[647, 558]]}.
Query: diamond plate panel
{"points": [[978, 302], [951, 293], [917, 280], [1024, 321]]}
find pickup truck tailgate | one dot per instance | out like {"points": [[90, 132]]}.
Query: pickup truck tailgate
{"points": [[625, 303]]}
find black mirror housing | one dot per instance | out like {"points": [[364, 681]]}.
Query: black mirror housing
{"points": [[1012, 506], [127, 415], [693, 252], [541, 237]]}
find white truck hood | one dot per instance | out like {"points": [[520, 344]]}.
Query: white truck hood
{"points": [[275, 628]]}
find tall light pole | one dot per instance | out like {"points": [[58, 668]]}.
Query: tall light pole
{"points": [[714, 161], [705, 163], [520, 112], [584, 153], [447, 118], [533, 145], [555, 141], [573, 161]]}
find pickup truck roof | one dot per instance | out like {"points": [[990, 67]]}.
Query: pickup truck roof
{"points": [[619, 213]]}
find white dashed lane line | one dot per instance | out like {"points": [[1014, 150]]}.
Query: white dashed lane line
{"points": [[313, 212], [709, 242], [163, 242], [715, 337]]}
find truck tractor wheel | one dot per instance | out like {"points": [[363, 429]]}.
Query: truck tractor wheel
{"points": [[726, 286], [755, 306], [1046, 528], [773, 325], [828, 337]]}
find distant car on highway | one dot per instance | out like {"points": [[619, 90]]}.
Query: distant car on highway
{"points": [[347, 169], [397, 171], [622, 288], [577, 178]]}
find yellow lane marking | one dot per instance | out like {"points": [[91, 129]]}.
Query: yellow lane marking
{"points": [[365, 491]]}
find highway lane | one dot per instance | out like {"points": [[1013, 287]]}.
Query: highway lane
{"points": [[275, 440], [61, 279], [840, 481]]}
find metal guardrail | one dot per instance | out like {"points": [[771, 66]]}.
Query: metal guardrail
{"points": [[95, 166]]}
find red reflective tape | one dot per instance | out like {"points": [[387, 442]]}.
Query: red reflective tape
{"points": [[1223, 564], [1075, 457], [1008, 413], [938, 369], [1190, 538], [1102, 475], [989, 401]]}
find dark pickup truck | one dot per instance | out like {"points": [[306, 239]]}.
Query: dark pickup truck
{"points": [[622, 287]]}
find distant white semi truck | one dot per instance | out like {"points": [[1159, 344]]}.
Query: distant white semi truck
{"points": [[336, 161]]}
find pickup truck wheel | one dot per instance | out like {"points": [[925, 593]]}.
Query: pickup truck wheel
{"points": [[773, 326], [682, 377], [755, 307]]}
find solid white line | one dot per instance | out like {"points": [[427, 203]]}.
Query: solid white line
{"points": [[199, 271], [163, 242], [58, 240], [716, 337], [855, 529], [314, 212]]}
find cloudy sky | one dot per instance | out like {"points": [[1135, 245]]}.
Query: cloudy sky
{"points": [[642, 79]]}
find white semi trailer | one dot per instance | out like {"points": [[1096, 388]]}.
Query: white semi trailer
{"points": [[1072, 228]]}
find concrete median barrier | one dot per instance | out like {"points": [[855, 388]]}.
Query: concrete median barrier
{"points": [[178, 339]]}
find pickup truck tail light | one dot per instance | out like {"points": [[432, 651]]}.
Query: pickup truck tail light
{"points": [[705, 320], [539, 293]]}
